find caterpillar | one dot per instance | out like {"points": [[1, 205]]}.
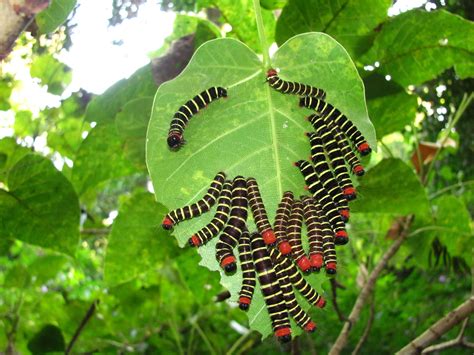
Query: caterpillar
{"points": [[335, 156], [218, 222], [293, 232], [330, 113], [183, 115], [259, 213], [321, 195], [314, 229], [281, 221], [325, 174], [197, 208], [236, 224], [298, 281], [270, 288], [248, 272], [346, 150], [290, 87], [296, 312]]}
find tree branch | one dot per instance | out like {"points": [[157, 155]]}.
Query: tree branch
{"points": [[458, 341], [87, 317], [439, 328], [366, 291], [334, 287], [365, 335]]}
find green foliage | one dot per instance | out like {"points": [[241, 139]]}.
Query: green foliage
{"points": [[51, 72], [55, 15], [48, 339]]}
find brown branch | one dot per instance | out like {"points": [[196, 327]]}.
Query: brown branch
{"points": [[458, 341], [366, 291], [334, 286], [439, 328], [90, 312], [370, 321]]}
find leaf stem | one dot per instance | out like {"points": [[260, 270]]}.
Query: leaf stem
{"points": [[261, 34]]}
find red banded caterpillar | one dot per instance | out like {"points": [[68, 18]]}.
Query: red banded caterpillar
{"points": [[298, 281], [335, 156], [197, 208], [293, 232], [183, 115], [259, 213], [214, 227], [346, 150], [248, 272], [281, 221], [290, 87], [314, 229], [321, 195], [236, 224], [329, 250], [325, 174], [332, 114], [270, 288]]}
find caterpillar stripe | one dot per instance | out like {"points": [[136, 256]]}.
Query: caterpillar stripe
{"points": [[321, 195], [281, 221], [259, 213], [329, 250], [270, 288], [236, 224], [297, 280], [248, 272], [335, 156], [197, 208], [214, 227], [183, 115], [291, 87], [293, 232], [314, 229], [329, 112], [346, 150], [296, 312], [326, 176]]}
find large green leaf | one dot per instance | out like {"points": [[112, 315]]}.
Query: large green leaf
{"points": [[255, 132], [51, 72], [54, 16], [417, 46], [10, 154], [40, 206], [48, 339], [391, 187], [351, 22]]}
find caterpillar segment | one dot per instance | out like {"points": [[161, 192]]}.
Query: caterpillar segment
{"points": [[270, 287], [314, 229], [329, 249], [335, 156], [215, 226], [197, 208], [347, 152], [181, 118], [297, 280], [293, 231], [290, 87], [332, 114], [326, 176], [236, 224], [259, 212], [248, 271], [281, 221], [323, 198]]}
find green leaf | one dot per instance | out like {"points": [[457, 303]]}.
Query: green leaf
{"points": [[17, 277], [390, 106], [391, 187], [23, 125], [55, 15], [10, 153], [273, 4], [104, 107], [351, 22], [48, 339], [137, 242], [256, 131], [51, 72], [46, 267], [6, 88], [416, 46], [66, 136], [99, 158], [40, 206], [131, 124]]}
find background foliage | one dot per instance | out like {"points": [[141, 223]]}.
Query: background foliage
{"points": [[79, 231]]}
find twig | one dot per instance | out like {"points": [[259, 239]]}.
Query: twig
{"points": [[370, 321], [451, 187], [439, 328], [458, 341], [367, 289], [334, 287], [90, 312]]}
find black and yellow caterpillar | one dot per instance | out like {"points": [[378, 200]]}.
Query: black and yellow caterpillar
{"points": [[347, 152], [314, 230], [197, 208], [281, 221], [293, 233], [259, 213], [290, 87], [248, 271], [183, 115]]}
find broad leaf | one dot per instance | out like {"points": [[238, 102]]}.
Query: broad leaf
{"points": [[417, 46], [273, 4], [55, 15], [51, 72], [40, 206], [351, 22], [255, 132], [48, 339], [10, 154]]}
